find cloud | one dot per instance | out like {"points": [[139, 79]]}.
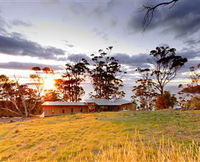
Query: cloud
{"points": [[20, 23], [123, 58], [101, 34], [3, 25], [189, 53], [68, 44], [133, 60], [16, 45], [183, 19], [26, 66], [77, 57], [192, 42]]}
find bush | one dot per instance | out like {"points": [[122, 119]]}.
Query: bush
{"points": [[165, 101]]}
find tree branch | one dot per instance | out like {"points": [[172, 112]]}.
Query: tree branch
{"points": [[151, 9]]}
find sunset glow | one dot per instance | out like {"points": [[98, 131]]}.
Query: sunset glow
{"points": [[49, 83]]}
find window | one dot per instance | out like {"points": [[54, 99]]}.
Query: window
{"points": [[81, 110], [72, 110], [63, 111]]}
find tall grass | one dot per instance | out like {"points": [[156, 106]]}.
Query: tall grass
{"points": [[137, 150], [104, 137]]}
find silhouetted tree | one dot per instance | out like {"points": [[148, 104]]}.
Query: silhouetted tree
{"points": [[144, 91], [165, 66], [70, 84], [105, 75]]}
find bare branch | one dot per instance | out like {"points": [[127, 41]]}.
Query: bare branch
{"points": [[150, 10]]}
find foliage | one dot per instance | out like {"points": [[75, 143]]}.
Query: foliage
{"points": [[52, 95], [166, 65], [165, 101], [194, 103], [190, 94], [105, 75], [23, 99], [144, 91], [70, 85], [125, 136], [195, 74]]}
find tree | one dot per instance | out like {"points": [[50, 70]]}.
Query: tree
{"points": [[105, 75], [70, 84], [144, 91], [165, 100], [38, 79], [165, 66], [22, 98], [195, 74], [52, 95], [190, 94], [150, 10]]}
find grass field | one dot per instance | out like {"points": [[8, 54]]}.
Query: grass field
{"points": [[108, 136]]}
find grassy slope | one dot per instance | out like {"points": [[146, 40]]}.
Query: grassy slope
{"points": [[82, 136]]}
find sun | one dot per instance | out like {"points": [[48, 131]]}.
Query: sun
{"points": [[49, 83]]}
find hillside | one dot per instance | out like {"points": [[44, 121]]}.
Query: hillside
{"points": [[114, 136]]}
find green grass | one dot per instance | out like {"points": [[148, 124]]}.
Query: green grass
{"points": [[84, 137]]}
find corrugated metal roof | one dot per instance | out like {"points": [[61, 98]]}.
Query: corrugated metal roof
{"points": [[108, 102], [64, 103], [101, 102]]}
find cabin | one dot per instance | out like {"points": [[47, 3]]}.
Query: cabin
{"points": [[91, 105], [110, 105]]}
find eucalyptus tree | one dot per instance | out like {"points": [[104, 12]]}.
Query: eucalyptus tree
{"points": [[70, 84], [19, 99], [165, 66], [105, 74], [144, 90]]}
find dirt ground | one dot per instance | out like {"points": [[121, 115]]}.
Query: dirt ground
{"points": [[12, 119]]}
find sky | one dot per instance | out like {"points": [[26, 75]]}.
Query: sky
{"points": [[55, 32]]}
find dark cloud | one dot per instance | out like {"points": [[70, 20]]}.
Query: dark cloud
{"points": [[192, 42], [183, 18], [26, 66], [133, 60], [77, 57], [18, 46], [189, 53], [20, 23]]}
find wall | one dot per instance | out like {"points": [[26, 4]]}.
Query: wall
{"points": [[129, 106], [60, 110]]}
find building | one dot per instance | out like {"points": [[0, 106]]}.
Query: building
{"points": [[92, 105]]}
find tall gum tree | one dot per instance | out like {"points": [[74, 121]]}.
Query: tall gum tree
{"points": [[105, 75]]}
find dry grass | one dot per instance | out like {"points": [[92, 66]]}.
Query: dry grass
{"points": [[118, 136]]}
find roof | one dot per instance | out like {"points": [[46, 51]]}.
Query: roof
{"points": [[106, 102], [100, 102], [55, 103]]}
